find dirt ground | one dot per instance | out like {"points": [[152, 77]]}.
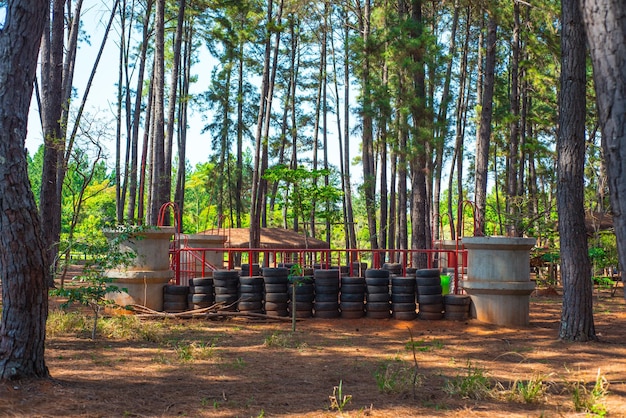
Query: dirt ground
{"points": [[240, 367]]}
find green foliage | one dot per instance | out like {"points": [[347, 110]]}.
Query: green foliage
{"points": [[474, 384], [396, 376], [95, 285], [591, 401], [529, 391], [338, 400], [304, 190]]}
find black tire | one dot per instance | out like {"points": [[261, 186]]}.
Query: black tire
{"points": [[352, 288], [430, 316], [226, 274], [377, 289], [301, 281], [352, 314], [326, 297], [245, 270], [377, 297], [251, 288], [352, 297], [251, 281], [327, 281], [455, 316], [201, 289], [276, 280], [276, 297], [326, 306], [303, 314], [428, 281], [326, 289], [272, 306], [430, 299], [403, 290], [275, 272], [201, 281], [436, 307], [402, 298], [377, 314], [175, 306], [173, 298], [250, 306], [457, 308], [230, 282], [457, 300], [327, 314], [352, 306], [403, 281], [427, 273], [429, 290], [303, 289], [352, 280], [276, 288], [197, 298], [281, 313], [403, 307], [227, 299], [250, 297], [172, 289], [225, 290], [377, 281], [404, 315], [307, 297], [326, 274], [376, 273], [304, 306], [378, 306], [200, 305]]}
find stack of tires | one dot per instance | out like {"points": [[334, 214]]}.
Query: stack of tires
{"points": [[403, 306], [429, 294], [377, 297], [245, 270], [201, 293], [175, 298], [326, 303], [251, 294], [276, 284], [305, 295], [395, 269], [226, 287], [352, 297], [457, 307]]}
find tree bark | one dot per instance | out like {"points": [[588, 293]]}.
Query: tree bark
{"points": [[23, 256], [577, 313], [482, 142], [605, 23]]}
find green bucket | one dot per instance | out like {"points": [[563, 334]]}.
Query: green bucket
{"points": [[445, 284]]}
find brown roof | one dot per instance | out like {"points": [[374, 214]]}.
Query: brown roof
{"points": [[271, 238]]}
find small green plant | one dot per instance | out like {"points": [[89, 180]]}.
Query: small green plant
{"points": [[423, 346], [529, 391], [295, 278], [473, 385], [591, 401], [396, 376], [190, 351], [94, 285], [338, 400]]}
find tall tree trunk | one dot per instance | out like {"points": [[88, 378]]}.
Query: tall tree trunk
{"points": [[54, 141], [132, 173], [577, 312], [23, 250], [512, 204], [369, 173], [484, 137], [605, 23], [158, 188]]}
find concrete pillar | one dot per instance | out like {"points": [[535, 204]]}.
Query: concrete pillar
{"points": [[498, 279]]}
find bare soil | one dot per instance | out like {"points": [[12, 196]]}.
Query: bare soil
{"points": [[239, 367]]}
